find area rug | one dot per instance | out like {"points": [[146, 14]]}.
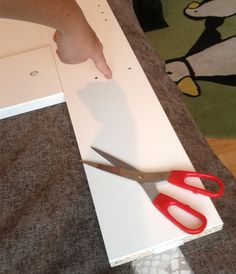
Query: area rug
{"points": [[198, 42]]}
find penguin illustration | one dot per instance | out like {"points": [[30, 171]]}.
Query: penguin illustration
{"points": [[210, 58], [216, 63], [211, 8]]}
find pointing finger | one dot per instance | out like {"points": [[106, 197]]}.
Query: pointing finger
{"points": [[100, 62]]}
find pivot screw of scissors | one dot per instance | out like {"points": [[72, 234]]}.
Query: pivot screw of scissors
{"points": [[140, 178]]}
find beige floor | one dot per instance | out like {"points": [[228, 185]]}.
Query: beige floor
{"points": [[225, 149]]}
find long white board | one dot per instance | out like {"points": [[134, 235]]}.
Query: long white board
{"points": [[124, 117]]}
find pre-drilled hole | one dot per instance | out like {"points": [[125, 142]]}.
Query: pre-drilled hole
{"points": [[34, 73]]}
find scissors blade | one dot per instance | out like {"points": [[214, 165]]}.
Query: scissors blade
{"points": [[113, 160], [146, 180], [123, 172], [143, 177], [135, 175]]}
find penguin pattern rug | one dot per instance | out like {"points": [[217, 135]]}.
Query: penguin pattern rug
{"points": [[199, 47]]}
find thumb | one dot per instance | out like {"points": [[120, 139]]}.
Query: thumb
{"points": [[100, 62]]}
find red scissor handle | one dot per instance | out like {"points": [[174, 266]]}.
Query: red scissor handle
{"points": [[177, 177], [163, 202]]}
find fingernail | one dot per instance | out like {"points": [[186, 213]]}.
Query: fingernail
{"points": [[108, 76]]}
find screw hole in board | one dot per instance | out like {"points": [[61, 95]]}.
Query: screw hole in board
{"points": [[34, 73]]}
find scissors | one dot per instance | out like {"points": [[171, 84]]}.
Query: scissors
{"points": [[148, 181]]}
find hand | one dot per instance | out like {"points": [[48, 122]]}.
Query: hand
{"points": [[76, 47]]}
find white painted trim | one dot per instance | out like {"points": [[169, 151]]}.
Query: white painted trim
{"points": [[32, 105]]}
